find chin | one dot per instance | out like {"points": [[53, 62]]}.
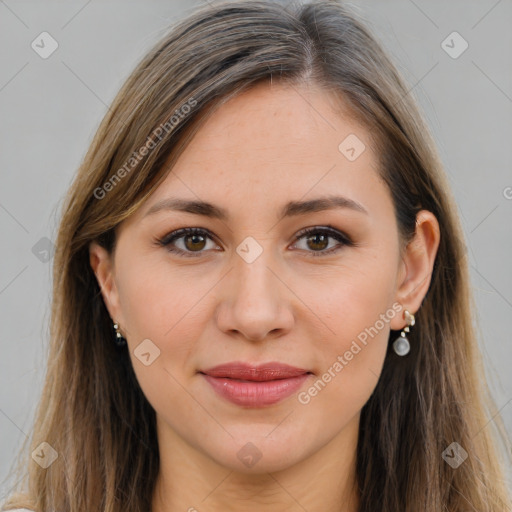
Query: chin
{"points": [[252, 454]]}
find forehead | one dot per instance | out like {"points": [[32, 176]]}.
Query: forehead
{"points": [[273, 143], [276, 122]]}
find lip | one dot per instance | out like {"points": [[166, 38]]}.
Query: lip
{"points": [[255, 385]]}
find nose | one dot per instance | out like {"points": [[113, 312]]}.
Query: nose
{"points": [[255, 302]]}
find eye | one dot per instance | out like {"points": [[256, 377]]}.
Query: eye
{"points": [[317, 239], [191, 240]]}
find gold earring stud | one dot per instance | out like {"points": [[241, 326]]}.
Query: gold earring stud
{"points": [[119, 340]]}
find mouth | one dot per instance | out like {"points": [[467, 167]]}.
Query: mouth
{"points": [[255, 386]]}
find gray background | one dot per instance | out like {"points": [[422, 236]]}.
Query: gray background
{"points": [[51, 108]]}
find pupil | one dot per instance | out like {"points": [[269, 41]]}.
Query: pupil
{"points": [[196, 239], [323, 241]]}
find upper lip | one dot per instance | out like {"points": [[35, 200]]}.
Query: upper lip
{"points": [[259, 373]]}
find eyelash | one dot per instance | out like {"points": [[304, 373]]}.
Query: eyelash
{"points": [[168, 239]]}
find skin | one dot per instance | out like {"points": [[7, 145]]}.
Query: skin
{"points": [[269, 145]]}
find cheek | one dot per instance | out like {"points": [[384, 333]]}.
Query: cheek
{"points": [[350, 366], [163, 306], [356, 314], [352, 298], [158, 299]]}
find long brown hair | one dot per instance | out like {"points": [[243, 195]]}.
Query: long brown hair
{"points": [[92, 410]]}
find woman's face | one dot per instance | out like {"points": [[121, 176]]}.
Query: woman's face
{"points": [[250, 287]]}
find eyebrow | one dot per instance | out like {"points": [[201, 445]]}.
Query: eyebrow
{"points": [[290, 209]]}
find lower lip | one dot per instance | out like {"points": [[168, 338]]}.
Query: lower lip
{"points": [[256, 394]]}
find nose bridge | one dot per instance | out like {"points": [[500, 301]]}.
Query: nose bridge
{"points": [[255, 283], [254, 302]]}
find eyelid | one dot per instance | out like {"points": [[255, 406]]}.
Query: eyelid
{"points": [[178, 233], [326, 228], [342, 238], [166, 241]]}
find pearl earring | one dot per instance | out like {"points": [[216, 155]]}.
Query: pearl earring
{"points": [[119, 340], [401, 345]]}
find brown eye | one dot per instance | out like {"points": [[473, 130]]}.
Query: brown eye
{"points": [[188, 242], [194, 242], [318, 240]]}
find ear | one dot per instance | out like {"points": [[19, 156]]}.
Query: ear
{"points": [[416, 266], [103, 266]]}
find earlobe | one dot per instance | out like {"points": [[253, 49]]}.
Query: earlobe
{"points": [[417, 265], [102, 266]]}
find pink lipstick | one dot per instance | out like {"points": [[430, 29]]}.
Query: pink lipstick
{"points": [[255, 385]]}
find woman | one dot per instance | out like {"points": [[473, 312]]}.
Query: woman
{"points": [[261, 298]]}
